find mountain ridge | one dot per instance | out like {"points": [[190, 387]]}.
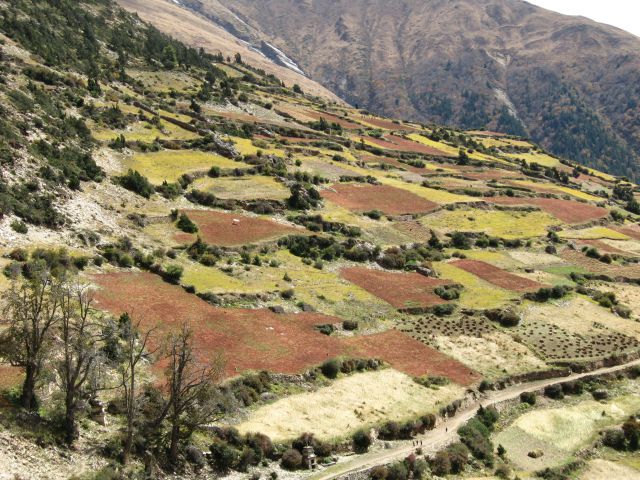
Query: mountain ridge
{"points": [[567, 82]]}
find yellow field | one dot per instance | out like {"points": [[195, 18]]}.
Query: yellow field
{"points": [[560, 432], [536, 157], [169, 165], [450, 150], [477, 293], [499, 259], [437, 196], [495, 355], [210, 279], [500, 223], [244, 188], [501, 142], [246, 147], [348, 404], [144, 132], [560, 189], [572, 427], [593, 233]]}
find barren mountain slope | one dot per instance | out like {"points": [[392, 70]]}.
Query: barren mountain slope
{"points": [[568, 82], [197, 31]]}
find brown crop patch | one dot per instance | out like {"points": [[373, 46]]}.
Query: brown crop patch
{"points": [[219, 228], [388, 124], [393, 142], [332, 119], [603, 247], [633, 232], [410, 356], [497, 276], [402, 290], [595, 266], [260, 339], [566, 210], [248, 339], [390, 200], [393, 162]]}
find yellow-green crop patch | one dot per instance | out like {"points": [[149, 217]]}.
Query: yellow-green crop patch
{"points": [[247, 147], [477, 293], [451, 150], [560, 432], [558, 188], [536, 157], [249, 187], [593, 233], [509, 224], [169, 165]]}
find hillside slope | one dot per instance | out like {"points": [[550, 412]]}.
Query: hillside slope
{"points": [[569, 83], [197, 31]]}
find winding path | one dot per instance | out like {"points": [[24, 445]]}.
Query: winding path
{"points": [[445, 432]]}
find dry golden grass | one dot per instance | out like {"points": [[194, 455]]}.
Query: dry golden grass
{"points": [[244, 188], [495, 355], [581, 316], [348, 404], [600, 469]]}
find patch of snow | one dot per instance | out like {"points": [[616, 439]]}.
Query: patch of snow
{"points": [[286, 60]]}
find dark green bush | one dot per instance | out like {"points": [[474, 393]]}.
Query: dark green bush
{"points": [[331, 368], [136, 183]]}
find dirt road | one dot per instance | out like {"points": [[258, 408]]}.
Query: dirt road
{"points": [[445, 432]]}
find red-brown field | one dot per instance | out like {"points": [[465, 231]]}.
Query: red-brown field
{"points": [[393, 162], [393, 142], [332, 119], [248, 339], [260, 339], [390, 200], [565, 210], [218, 228], [497, 276], [388, 124], [633, 231], [592, 265], [402, 290], [603, 247], [410, 356]]}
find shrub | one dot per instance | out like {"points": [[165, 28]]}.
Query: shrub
{"points": [[291, 459], [614, 438], [379, 473], [136, 183], [350, 325], [441, 464], [458, 455], [173, 273], [223, 456], [331, 368], [361, 441], [444, 309], [554, 391], [528, 397], [19, 227], [186, 225]]}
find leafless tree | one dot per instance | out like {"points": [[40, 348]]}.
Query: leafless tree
{"points": [[78, 335], [32, 311], [136, 344], [190, 389]]}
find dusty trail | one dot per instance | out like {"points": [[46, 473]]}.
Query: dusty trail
{"points": [[445, 432]]}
